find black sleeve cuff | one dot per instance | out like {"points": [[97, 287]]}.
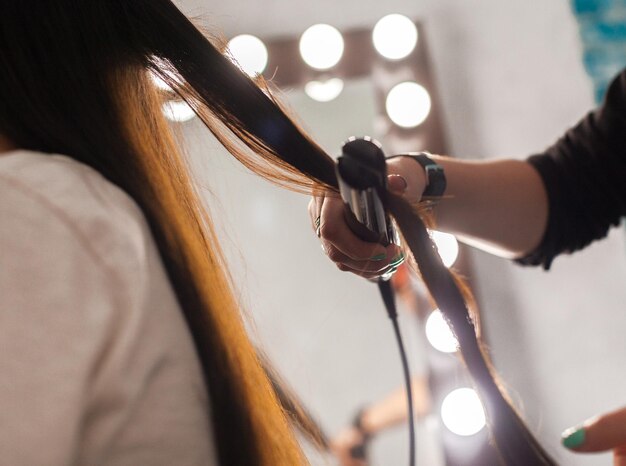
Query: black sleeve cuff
{"points": [[584, 174]]}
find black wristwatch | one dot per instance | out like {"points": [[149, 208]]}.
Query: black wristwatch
{"points": [[435, 175], [359, 452]]}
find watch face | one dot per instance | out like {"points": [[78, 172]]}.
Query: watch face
{"points": [[433, 170], [436, 180]]}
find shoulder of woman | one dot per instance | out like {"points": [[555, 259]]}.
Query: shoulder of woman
{"points": [[88, 323], [53, 201]]}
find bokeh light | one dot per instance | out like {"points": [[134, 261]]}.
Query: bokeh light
{"points": [[462, 412], [447, 246], [321, 46], [408, 104], [249, 53], [439, 334], [178, 111], [394, 36], [158, 82], [324, 91]]}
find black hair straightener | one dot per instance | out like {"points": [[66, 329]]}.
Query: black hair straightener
{"points": [[362, 175]]}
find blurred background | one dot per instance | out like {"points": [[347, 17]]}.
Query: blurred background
{"points": [[503, 79]]}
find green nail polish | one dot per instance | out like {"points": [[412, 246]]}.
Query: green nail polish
{"points": [[397, 260], [574, 437], [378, 257]]}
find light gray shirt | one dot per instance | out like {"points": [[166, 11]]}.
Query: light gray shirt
{"points": [[97, 366]]}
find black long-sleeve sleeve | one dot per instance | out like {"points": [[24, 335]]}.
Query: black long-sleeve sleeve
{"points": [[585, 178]]}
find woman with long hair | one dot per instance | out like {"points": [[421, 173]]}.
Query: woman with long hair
{"points": [[121, 342]]}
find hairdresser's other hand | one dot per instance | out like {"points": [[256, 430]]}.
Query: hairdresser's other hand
{"points": [[346, 250], [601, 433], [343, 444]]}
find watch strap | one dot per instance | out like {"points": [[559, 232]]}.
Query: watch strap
{"points": [[359, 451], [435, 175]]}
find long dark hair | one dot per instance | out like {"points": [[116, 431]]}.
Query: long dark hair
{"points": [[74, 80]]}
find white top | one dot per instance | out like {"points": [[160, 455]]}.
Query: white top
{"points": [[97, 366]]}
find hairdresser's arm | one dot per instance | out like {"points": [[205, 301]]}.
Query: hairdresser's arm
{"points": [[556, 202], [583, 174], [499, 206]]}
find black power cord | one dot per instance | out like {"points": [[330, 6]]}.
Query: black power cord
{"points": [[386, 291], [361, 176]]}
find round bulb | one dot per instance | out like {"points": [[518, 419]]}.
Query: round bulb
{"points": [[408, 104], [178, 111], [158, 82], [447, 246], [321, 46], [394, 36], [439, 334], [324, 91], [462, 412], [249, 53]]}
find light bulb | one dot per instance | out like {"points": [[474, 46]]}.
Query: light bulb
{"points": [[163, 67], [462, 412], [447, 246], [439, 334], [178, 111], [158, 82], [249, 53], [394, 36], [408, 104], [324, 91], [321, 46]]}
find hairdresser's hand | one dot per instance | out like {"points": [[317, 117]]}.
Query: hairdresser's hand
{"points": [[346, 250], [343, 444], [607, 432]]}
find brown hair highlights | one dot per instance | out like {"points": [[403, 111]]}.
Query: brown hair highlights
{"points": [[73, 80]]}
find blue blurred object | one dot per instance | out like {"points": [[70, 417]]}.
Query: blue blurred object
{"points": [[603, 33], [590, 6]]}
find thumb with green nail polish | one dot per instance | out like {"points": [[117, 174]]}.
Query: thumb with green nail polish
{"points": [[602, 433]]}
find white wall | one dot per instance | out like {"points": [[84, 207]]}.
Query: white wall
{"points": [[511, 80]]}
